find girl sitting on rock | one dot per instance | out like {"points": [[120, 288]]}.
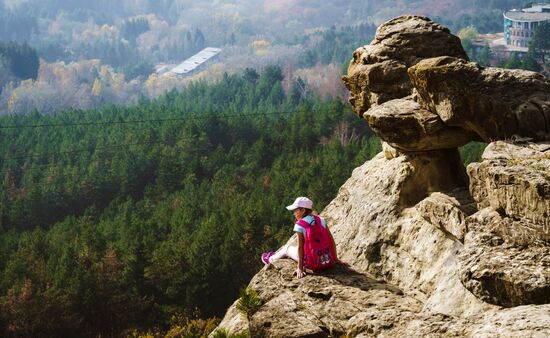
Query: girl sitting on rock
{"points": [[316, 248]]}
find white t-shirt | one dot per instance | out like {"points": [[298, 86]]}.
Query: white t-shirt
{"points": [[309, 219]]}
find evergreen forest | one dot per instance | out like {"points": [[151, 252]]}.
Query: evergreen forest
{"points": [[123, 218]]}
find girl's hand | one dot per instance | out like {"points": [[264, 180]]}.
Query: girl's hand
{"points": [[299, 273]]}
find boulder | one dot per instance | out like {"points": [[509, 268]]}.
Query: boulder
{"points": [[406, 126], [378, 72], [515, 180], [504, 261], [506, 257], [448, 211], [492, 102]]}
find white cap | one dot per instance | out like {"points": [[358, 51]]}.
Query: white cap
{"points": [[301, 202]]}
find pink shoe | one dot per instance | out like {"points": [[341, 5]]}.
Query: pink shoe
{"points": [[266, 256]]}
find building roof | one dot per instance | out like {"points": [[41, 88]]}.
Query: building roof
{"points": [[537, 12], [196, 60], [527, 16]]}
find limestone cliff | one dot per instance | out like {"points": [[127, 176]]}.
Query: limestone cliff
{"points": [[434, 249]]}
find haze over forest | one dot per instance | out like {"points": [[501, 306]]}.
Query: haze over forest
{"points": [[97, 52]]}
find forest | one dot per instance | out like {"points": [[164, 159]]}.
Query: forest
{"points": [[121, 218]]}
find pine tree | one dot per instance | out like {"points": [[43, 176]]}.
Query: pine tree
{"points": [[540, 43], [513, 62], [484, 56], [23, 59], [530, 63]]}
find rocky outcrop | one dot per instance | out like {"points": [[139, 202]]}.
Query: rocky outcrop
{"points": [[405, 274], [378, 72], [433, 249], [446, 101], [514, 179], [348, 302], [492, 102], [403, 244], [504, 262], [404, 124], [506, 259]]}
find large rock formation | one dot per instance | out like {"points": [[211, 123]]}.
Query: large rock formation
{"points": [[446, 100], [378, 72], [404, 124], [494, 103], [433, 249]]}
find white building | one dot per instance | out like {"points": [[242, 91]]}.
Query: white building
{"points": [[520, 26], [193, 62]]}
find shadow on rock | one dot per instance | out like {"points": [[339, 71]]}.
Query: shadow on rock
{"points": [[347, 276]]}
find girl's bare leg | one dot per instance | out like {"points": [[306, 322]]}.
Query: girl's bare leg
{"points": [[285, 251]]}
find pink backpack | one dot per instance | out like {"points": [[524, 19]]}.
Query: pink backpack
{"points": [[319, 252]]}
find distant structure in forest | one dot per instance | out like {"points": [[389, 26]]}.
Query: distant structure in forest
{"points": [[192, 63], [520, 25]]}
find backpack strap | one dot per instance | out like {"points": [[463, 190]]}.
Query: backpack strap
{"points": [[303, 223], [317, 220]]}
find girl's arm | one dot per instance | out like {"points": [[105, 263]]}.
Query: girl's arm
{"points": [[300, 270]]}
